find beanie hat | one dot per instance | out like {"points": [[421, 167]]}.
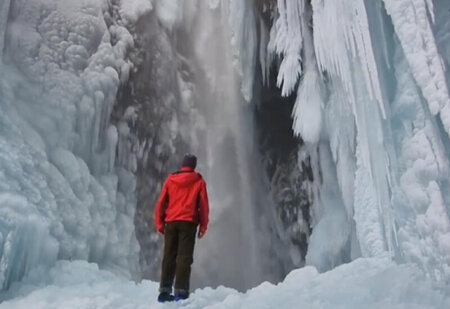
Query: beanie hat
{"points": [[189, 160]]}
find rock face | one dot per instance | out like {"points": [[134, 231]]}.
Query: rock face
{"points": [[285, 158], [287, 167]]}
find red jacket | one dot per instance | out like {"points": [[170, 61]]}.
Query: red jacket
{"points": [[183, 198]]}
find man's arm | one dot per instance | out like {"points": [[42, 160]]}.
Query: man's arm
{"points": [[203, 210], [160, 210]]}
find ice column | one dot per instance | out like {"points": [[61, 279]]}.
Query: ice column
{"points": [[413, 27], [4, 10]]}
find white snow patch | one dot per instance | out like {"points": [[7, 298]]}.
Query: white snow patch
{"points": [[132, 10], [364, 283], [169, 12]]}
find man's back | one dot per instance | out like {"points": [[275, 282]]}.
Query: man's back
{"points": [[182, 205], [183, 198], [184, 191]]}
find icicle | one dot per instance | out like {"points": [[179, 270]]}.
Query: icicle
{"points": [[111, 145], [4, 11], [263, 57], [244, 42], [412, 25], [341, 31], [307, 111], [287, 40], [430, 9], [367, 217]]}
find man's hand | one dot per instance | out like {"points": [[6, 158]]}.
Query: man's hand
{"points": [[200, 234], [161, 231]]}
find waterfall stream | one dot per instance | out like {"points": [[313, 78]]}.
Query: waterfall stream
{"points": [[229, 253]]}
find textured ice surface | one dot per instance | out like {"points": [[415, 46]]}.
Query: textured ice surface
{"points": [[133, 9], [286, 40], [413, 27], [382, 113], [60, 195], [364, 283]]}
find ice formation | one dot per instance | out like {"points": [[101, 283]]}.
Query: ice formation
{"points": [[61, 195], [369, 100]]}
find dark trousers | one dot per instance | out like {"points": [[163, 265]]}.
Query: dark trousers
{"points": [[179, 241]]}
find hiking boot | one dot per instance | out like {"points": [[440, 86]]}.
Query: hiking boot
{"points": [[164, 297], [181, 296]]}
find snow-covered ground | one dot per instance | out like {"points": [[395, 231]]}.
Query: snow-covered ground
{"points": [[364, 283]]}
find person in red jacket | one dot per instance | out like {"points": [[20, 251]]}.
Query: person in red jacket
{"points": [[181, 207]]}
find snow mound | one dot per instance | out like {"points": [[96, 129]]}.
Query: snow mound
{"points": [[364, 283]]}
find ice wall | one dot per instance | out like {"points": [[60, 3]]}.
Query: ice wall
{"points": [[372, 101], [61, 194]]}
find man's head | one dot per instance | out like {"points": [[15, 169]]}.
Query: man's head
{"points": [[189, 160]]}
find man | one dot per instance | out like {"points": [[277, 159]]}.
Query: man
{"points": [[182, 205]]}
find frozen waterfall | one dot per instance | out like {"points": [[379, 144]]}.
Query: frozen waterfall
{"points": [[322, 129]]}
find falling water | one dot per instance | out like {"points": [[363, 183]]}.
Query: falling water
{"points": [[228, 255], [188, 76]]}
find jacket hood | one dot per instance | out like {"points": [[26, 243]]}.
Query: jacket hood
{"points": [[185, 177]]}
